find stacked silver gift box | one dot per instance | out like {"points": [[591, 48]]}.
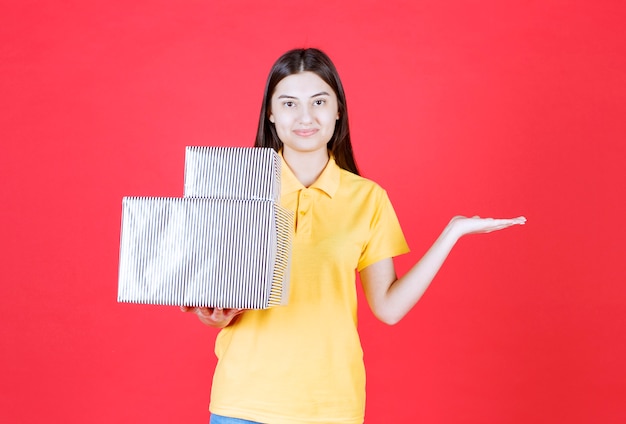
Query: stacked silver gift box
{"points": [[225, 244]]}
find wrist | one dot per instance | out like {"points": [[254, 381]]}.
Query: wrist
{"points": [[453, 231]]}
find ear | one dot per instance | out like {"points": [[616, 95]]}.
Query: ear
{"points": [[271, 118]]}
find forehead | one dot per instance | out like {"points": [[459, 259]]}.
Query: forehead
{"points": [[302, 85]]}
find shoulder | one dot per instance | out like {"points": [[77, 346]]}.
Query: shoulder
{"points": [[357, 186], [358, 182]]}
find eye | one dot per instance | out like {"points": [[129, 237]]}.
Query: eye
{"points": [[319, 102], [289, 103]]}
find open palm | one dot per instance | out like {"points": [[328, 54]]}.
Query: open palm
{"points": [[476, 225]]}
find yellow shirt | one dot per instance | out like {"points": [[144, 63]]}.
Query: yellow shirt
{"points": [[303, 363]]}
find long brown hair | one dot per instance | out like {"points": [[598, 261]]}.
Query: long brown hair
{"points": [[316, 61]]}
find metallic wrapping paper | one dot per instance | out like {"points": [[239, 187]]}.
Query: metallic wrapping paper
{"points": [[204, 252], [232, 172], [226, 244]]}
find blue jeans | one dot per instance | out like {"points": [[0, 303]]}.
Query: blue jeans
{"points": [[218, 419]]}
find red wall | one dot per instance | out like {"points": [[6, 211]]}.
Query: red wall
{"points": [[457, 107]]}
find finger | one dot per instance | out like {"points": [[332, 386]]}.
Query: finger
{"points": [[218, 314], [513, 221], [204, 312], [488, 225], [188, 308], [506, 223], [502, 223], [231, 312]]}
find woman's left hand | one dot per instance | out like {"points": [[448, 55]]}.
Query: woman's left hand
{"points": [[462, 225]]}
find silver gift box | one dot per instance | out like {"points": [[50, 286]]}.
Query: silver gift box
{"points": [[204, 252], [226, 244], [232, 172]]}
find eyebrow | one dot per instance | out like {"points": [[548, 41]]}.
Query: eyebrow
{"points": [[285, 96]]}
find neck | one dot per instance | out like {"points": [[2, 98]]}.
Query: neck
{"points": [[307, 166]]}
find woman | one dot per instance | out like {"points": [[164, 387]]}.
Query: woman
{"points": [[303, 363]]}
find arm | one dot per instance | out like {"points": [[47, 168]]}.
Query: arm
{"points": [[391, 298], [213, 317]]}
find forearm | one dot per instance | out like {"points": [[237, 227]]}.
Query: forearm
{"points": [[391, 298], [406, 291]]}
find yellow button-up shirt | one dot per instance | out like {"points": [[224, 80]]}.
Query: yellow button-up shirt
{"points": [[303, 363]]}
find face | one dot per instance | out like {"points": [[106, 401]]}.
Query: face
{"points": [[304, 110]]}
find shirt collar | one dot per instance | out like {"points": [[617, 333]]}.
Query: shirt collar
{"points": [[328, 181]]}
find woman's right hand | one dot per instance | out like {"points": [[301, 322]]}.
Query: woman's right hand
{"points": [[213, 317]]}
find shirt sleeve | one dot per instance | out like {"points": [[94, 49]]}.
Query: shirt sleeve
{"points": [[386, 239]]}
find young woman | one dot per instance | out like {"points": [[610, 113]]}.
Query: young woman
{"points": [[303, 363]]}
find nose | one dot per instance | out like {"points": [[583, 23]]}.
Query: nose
{"points": [[305, 116]]}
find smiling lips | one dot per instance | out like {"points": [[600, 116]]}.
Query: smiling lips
{"points": [[305, 132]]}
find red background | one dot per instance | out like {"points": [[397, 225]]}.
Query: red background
{"points": [[457, 107]]}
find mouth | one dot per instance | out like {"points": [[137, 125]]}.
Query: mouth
{"points": [[305, 132]]}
